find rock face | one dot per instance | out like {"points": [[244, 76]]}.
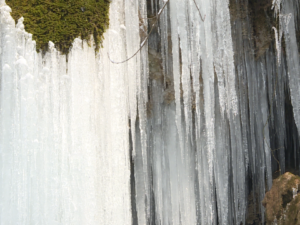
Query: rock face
{"points": [[282, 202]]}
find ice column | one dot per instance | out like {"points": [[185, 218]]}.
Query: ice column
{"points": [[290, 8], [196, 162], [65, 123]]}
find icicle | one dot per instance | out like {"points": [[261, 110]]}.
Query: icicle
{"points": [[276, 6], [278, 44], [176, 69], [284, 21], [283, 27]]}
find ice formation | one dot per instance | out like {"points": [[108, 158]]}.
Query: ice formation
{"points": [[64, 125], [183, 133]]}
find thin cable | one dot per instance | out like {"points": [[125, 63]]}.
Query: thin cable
{"points": [[202, 18], [146, 39]]}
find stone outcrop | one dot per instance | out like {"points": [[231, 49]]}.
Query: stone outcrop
{"points": [[282, 202]]}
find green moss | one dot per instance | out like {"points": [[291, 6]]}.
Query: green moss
{"points": [[61, 21]]}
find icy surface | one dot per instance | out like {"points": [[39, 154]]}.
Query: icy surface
{"points": [[64, 125], [229, 113], [186, 132]]}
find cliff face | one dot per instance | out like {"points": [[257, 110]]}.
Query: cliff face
{"points": [[192, 130]]}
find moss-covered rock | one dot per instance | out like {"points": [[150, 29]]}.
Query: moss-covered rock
{"points": [[282, 202], [61, 21]]}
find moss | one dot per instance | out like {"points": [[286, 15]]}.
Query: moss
{"points": [[279, 201], [61, 21]]}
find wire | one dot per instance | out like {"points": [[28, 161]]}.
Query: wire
{"points": [[146, 39]]}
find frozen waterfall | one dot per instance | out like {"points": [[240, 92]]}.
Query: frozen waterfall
{"points": [[64, 147], [190, 131]]}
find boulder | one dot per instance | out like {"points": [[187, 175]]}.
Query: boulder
{"points": [[282, 202]]}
